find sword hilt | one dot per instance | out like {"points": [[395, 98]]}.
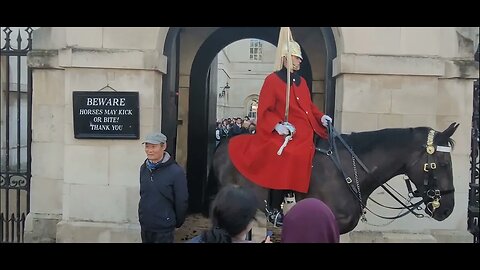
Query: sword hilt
{"points": [[285, 142]]}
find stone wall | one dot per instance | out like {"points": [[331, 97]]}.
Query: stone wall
{"points": [[87, 190]]}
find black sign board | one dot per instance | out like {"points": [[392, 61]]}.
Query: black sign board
{"points": [[106, 115]]}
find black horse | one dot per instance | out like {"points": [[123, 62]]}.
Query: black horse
{"points": [[422, 154]]}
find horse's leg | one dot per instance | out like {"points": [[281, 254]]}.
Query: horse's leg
{"points": [[227, 174], [259, 229]]}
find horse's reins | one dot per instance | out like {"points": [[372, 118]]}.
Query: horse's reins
{"points": [[333, 134]]}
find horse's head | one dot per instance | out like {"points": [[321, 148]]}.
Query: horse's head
{"points": [[431, 172]]}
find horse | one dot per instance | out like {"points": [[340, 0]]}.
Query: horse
{"points": [[421, 153]]}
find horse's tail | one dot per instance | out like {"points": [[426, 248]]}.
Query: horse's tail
{"points": [[210, 191]]}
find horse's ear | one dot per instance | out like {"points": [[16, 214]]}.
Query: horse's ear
{"points": [[447, 133]]}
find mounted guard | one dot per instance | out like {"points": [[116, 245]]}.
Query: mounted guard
{"points": [[279, 155]]}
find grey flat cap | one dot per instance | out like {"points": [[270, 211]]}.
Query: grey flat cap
{"points": [[155, 138]]}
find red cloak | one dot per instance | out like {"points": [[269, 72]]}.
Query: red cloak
{"points": [[255, 156]]}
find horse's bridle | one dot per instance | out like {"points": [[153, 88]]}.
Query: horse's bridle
{"points": [[431, 194]]}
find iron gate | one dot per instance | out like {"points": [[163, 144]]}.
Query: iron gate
{"points": [[15, 135], [473, 204]]}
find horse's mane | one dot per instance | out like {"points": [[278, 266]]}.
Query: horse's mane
{"points": [[362, 142]]}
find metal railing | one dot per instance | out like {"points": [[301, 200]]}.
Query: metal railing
{"points": [[15, 135], [473, 205]]}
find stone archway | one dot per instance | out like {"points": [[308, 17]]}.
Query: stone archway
{"points": [[202, 99], [170, 89]]}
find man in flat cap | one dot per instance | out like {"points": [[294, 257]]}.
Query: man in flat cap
{"points": [[279, 155], [163, 192]]}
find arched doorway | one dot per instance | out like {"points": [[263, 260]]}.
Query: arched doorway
{"points": [[202, 97]]}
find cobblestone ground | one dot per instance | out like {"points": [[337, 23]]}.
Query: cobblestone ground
{"points": [[196, 223], [193, 226]]}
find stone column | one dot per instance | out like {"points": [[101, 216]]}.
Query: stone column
{"points": [[408, 77], [86, 190]]}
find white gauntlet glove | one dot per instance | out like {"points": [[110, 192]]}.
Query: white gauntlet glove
{"points": [[281, 129], [325, 119]]}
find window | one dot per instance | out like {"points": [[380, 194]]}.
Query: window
{"points": [[255, 50], [252, 109]]}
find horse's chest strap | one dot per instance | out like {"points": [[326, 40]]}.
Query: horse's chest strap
{"points": [[336, 161]]}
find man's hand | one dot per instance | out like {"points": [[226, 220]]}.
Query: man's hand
{"points": [[325, 119], [267, 240], [281, 129]]}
